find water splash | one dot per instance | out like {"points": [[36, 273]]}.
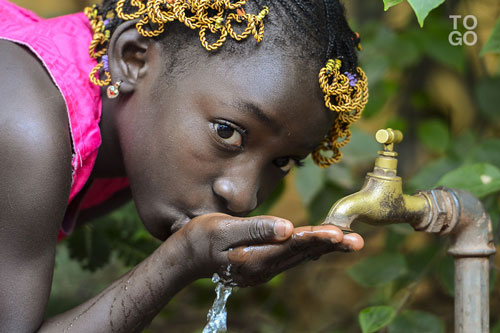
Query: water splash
{"points": [[217, 315]]}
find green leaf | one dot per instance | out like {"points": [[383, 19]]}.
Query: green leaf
{"points": [[416, 322], [362, 149], [378, 270], [393, 240], [309, 180], [431, 173], [340, 175], [434, 134], [480, 179], [90, 247], [419, 261], [487, 151], [496, 328], [446, 271], [432, 39], [398, 123], [488, 97], [493, 43], [323, 201], [375, 317], [100, 250], [390, 3], [422, 8], [462, 145], [380, 92]]}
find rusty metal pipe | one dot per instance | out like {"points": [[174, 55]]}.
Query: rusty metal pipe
{"points": [[472, 307], [471, 245]]}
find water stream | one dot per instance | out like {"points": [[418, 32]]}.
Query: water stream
{"points": [[217, 315]]}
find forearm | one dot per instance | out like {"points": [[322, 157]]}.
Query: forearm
{"points": [[131, 302]]}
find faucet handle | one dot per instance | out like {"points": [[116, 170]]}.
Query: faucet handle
{"points": [[388, 137]]}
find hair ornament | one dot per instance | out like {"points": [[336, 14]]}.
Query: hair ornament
{"points": [[346, 94], [214, 17], [358, 41]]}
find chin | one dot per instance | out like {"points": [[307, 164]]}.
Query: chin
{"points": [[156, 222], [157, 231], [162, 226]]}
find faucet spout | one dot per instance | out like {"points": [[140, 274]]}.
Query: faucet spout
{"points": [[379, 202]]}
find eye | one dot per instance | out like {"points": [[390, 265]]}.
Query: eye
{"points": [[228, 134], [284, 163]]}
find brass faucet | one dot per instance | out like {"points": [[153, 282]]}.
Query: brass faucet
{"points": [[441, 210], [381, 200]]}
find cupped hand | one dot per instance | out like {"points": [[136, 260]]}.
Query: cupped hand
{"points": [[257, 248], [251, 265]]}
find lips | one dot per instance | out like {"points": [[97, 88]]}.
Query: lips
{"points": [[186, 217], [180, 223]]}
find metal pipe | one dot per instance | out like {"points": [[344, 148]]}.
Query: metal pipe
{"points": [[472, 307], [471, 245]]}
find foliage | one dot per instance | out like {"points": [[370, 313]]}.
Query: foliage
{"points": [[416, 322], [120, 232], [422, 8], [379, 270], [493, 43], [374, 318]]}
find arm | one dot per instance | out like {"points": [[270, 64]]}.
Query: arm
{"points": [[35, 178]]}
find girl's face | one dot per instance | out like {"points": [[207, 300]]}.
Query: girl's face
{"points": [[220, 137]]}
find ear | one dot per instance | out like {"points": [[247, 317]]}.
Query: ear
{"points": [[128, 56]]}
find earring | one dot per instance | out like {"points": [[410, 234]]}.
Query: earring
{"points": [[114, 90]]}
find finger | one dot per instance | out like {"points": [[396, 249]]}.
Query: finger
{"points": [[354, 241], [304, 242], [257, 230], [333, 233]]}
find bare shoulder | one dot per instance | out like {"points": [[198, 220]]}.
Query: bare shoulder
{"points": [[35, 178], [35, 143], [26, 88]]}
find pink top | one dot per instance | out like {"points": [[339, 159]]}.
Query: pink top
{"points": [[61, 44]]}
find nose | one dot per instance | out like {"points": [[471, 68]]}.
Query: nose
{"points": [[239, 195]]}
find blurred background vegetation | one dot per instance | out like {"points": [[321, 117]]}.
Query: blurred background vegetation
{"points": [[446, 100]]}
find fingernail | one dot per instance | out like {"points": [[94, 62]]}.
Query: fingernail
{"points": [[282, 229]]}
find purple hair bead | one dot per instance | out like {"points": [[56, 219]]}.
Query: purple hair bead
{"points": [[352, 78], [105, 62]]}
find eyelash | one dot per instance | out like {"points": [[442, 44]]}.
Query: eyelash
{"points": [[298, 163]]}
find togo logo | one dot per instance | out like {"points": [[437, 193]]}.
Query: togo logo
{"points": [[469, 37]]}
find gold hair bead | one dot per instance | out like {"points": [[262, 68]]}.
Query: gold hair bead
{"points": [[195, 14], [346, 94]]}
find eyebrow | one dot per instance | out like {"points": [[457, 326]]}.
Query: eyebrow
{"points": [[257, 112]]}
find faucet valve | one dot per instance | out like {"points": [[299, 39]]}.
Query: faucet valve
{"points": [[386, 163], [388, 137]]}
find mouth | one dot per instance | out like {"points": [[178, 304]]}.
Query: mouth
{"points": [[179, 224]]}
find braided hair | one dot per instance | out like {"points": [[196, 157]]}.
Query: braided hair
{"points": [[322, 21]]}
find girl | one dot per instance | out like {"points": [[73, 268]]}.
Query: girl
{"points": [[197, 135]]}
